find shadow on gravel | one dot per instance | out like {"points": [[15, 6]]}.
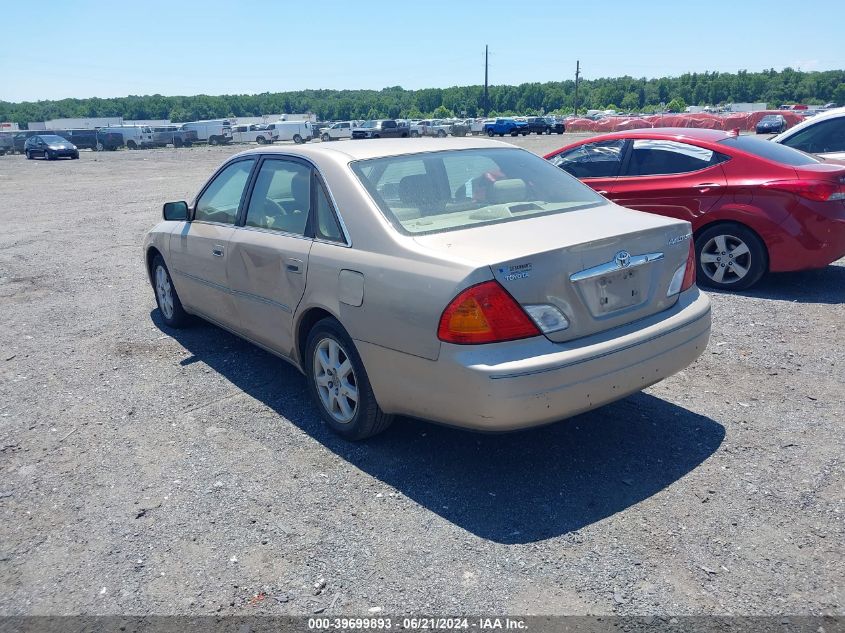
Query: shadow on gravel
{"points": [[510, 488], [824, 285]]}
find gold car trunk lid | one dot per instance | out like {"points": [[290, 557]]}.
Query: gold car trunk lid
{"points": [[597, 285], [598, 274]]}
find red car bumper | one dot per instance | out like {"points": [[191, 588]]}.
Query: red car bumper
{"points": [[811, 236]]}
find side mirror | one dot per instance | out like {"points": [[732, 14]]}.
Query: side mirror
{"points": [[176, 211]]}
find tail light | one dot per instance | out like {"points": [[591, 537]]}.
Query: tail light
{"points": [[819, 190], [684, 276], [484, 313]]}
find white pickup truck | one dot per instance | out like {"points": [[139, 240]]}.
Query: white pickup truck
{"points": [[342, 129], [255, 133], [429, 128]]}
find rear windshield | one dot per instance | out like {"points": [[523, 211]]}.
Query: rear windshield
{"points": [[770, 151], [450, 190]]}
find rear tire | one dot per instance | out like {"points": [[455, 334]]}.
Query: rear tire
{"points": [[730, 256], [132, 145], [415, 134], [212, 140], [325, 138], [339, 385], [169, 305], [297, 139], [260, 140], [178, 142], [28, 155], [441, 133], [491, 133]]}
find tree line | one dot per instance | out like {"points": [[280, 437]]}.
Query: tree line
{"points": [[627, 94]]}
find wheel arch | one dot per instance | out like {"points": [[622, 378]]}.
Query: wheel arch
{"points": [[306, 322]]}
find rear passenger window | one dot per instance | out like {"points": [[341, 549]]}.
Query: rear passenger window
{"points": [[327, 226], [281, 197], [651, 157], [593, 160]]}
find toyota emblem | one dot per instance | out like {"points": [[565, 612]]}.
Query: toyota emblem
{"points": [[623, 259]]}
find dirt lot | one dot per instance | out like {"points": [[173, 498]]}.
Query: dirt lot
{"points": [[150, 471]]}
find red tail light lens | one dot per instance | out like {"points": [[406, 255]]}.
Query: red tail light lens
{"points": [[484, 313], [689, 274], [819, 190]]}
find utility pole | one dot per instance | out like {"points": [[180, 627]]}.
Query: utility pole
{"points": [[486, 94], [577, 74]]}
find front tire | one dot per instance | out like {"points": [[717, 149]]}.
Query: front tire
{"points": [[339, 385], [730, 257], [169, 305], [441, 133], [212, 140], [415, 134], [260, 140], [491, 133], [325, 138], [132, 145], [297, 139]]}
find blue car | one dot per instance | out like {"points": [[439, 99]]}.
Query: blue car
{"points": [[506, 126]]}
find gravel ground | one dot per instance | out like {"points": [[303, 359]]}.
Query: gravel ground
{"points": [[148, 471]]}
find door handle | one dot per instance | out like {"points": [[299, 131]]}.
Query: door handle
{"points": [[294, 266], [706, 186], [601, 192], [217, 251]]}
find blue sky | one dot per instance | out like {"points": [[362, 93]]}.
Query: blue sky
{"points": [[251, 46]]}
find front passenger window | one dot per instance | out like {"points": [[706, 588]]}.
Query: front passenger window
{"points": [[593, 160], [222, 198], [281, 198]]}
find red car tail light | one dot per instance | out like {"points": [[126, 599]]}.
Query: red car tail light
{"points": [[484, 313], [819, 190]]}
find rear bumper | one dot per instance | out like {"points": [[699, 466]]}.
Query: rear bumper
{"points": [[810, 238], [519, 384]]}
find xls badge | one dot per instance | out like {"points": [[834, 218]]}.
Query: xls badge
{"points": [[679, 239]]}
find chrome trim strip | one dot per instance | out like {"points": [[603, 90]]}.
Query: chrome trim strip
{"points": [[602, 355], [235, 293], [612, 267]]}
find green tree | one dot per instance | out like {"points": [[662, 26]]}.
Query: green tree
{"points": [[676, 105]]}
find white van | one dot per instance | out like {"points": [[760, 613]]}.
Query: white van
{"points": [[296, 131], [342, 129], [212, 132], [134, 136]]}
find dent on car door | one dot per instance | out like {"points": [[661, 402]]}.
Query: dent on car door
{"points": [[596, 164], [268, 259], [678, 180], [199, 249]]}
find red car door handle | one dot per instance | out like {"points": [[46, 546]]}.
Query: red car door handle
{"points": [[706, 186], [601, 191]]}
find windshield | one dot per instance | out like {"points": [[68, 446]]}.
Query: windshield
{"points": [[770, 151], [369, 124], [52, 138], [770, 118], [451, 190]]}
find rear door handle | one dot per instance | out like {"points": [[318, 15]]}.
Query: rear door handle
{"points": [[294, 266], [601, 191], [706, 186], [217, 251]]}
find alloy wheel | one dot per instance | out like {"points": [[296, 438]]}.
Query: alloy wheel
{"points": [[335, 379], [726, 259], [164, 292]]}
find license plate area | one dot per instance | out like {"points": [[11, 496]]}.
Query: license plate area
{"points": [[618, 290], [614, 291]]}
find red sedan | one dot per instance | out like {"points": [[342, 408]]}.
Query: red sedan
{"points": [[755, 206]]}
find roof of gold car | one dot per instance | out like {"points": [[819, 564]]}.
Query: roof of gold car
{"points": [[377, 148]]}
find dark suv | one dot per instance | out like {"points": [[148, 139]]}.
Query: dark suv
{"points": [[383, 128], [545, 125], [97, 140]]}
